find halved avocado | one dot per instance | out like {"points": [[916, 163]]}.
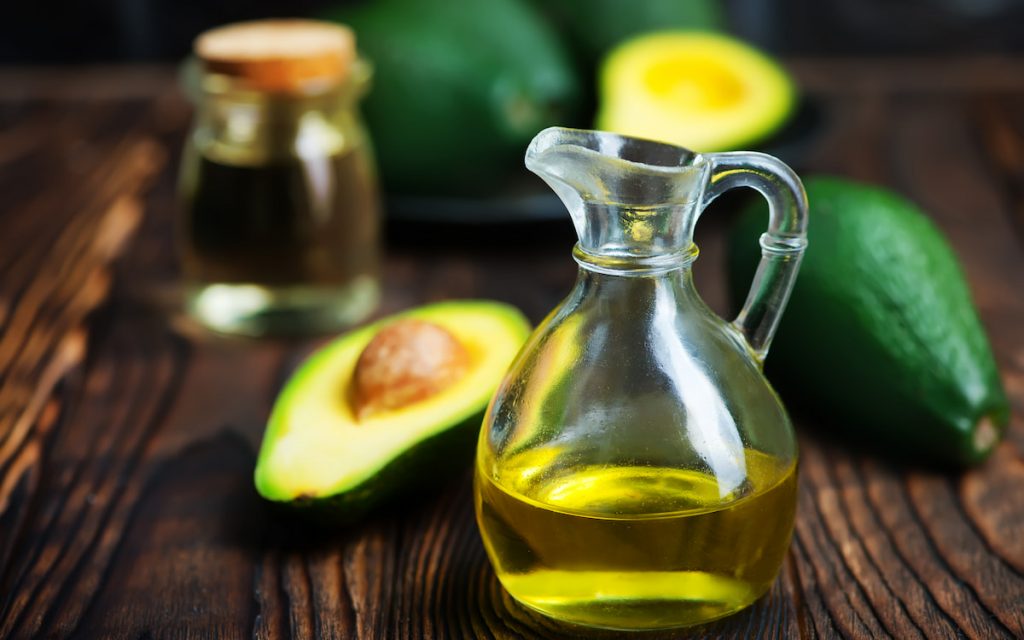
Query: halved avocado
{"points": [[318, 457], [700, 90]]}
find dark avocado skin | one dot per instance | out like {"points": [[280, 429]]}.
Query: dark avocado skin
{"points": [[431, 462], [459, 89], [880, 338], [595, 26]]}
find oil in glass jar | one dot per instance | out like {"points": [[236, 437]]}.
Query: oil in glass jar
{"points": [[635, 547], [279, 229]]}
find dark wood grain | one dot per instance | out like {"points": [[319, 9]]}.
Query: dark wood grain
{"points": [[53, 276], [127, 439]]}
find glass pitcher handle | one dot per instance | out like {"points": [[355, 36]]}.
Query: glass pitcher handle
{"points": [[782, 245]]}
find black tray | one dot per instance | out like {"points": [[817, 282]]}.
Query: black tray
{"points": [[525, 198]]}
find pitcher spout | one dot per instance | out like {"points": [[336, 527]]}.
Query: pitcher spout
{"points": [[627, 196]]}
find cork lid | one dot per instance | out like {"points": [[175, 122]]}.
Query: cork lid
{"points": [[279, 55]]}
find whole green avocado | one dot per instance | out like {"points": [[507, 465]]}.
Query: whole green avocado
{"points": [[459, 89], [596, 26], [880, 335]]}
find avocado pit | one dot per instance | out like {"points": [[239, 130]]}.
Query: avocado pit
{"points": [[407, 362]]}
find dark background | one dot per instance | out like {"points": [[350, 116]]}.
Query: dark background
{"points": [[87, 31]]}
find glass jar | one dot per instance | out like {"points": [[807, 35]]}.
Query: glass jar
{"points": [[280, 217]]}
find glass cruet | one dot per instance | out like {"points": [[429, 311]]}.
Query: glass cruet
{"points": [[635, 469]]}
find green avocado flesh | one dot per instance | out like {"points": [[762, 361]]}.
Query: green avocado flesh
{"points": [[699, 90], [317, 456], [880, 336]]}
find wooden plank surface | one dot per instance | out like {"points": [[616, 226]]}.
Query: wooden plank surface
{"points": [[127, 441]]}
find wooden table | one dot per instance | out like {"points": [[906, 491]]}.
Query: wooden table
{"points": [[127, 444]]}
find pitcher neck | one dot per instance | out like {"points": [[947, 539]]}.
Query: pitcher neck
{"points": [[675, 261]]}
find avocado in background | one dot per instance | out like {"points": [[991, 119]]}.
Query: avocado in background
{"points": [[318, 459], [699, 90], [460, 87], [595, 26], [880, 336]]}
